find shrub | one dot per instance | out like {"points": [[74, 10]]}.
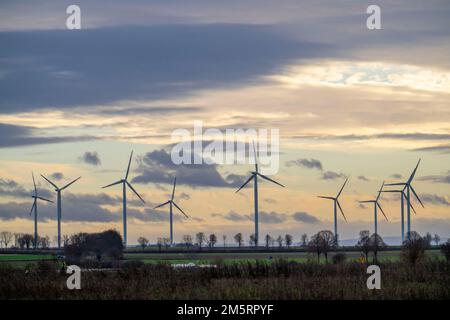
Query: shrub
{"points": [[339, 258], [414, 248], [445, 249]]}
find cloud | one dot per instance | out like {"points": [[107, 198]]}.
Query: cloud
{"points": [[396, 176], [91, 158], [196, 57], [270, 200], [12, 188], [15, 136], [435, 199], [264, 217], [363, 178], [157, 167], [444, 178], [307, 163], [438, 148], [57, 176], [331, 175], [184, 196], [305, 217]]}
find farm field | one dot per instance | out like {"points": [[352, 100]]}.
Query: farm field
{"points": [[300, 257]]}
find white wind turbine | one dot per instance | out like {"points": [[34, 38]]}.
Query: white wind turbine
{"points": [[336, 205], [170, 203], [59, 204], [408, 188], [376, 205], [254, 176], [125, 183], [34, 208]]}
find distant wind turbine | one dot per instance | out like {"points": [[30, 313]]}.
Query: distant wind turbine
{"points": [[402, 204], [59, 204], [125, 183], [376, 205], [336, 205], [408, 187], [34, 208], [170, 203], [254, 175]]}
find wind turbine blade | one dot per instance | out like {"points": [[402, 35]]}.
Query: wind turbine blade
{"points": [[248, 180], [382, 211], [392, 190], [256, 157], [267, 178], [323, 197], [112, 184], [180, 209], [34, 183], [32, 207], [395, 184], [342, 211], [49, 181], [417, 197], [45, 199], [412, 207], [67, 185], [129, 163], [413, 173], [379, 192], [342, 188], [131, 187], [161, 205], [367, 201], [174, 184]]}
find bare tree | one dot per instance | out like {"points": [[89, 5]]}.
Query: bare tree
{"points": [[436, 239], [314, 245], [280, 241], [212, 240], [414, 247], [187, 239], [200, 239], [143, 242], [428, 239], [6, 237], [328, 242], [304, 238], [238, 239], [224, 238], [288, 240], [44, 242], [364, 243], [159, 243], [252, 240], [268, 238], [65, 239]]}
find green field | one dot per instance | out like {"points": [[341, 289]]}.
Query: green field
{"points": [[212, 258], [24, 257]]}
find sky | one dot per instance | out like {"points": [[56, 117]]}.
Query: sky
{"points": [[347, 101]]}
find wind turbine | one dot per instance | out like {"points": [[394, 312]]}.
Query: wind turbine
{"points": [[402, 204], [254, 175], [376, 205], [408, 187], [336, 205], [59, 204], [35, 197], [170, 203], [125, 183]]}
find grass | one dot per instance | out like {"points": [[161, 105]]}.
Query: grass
{"points": [[280, 279], [25, 257]]}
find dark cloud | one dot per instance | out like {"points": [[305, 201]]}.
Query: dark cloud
{"points": [[363, 178], [14, 136], [12, 188], [305, 217], [184, 196], [435, 199], [444, 178], [146, 110], [57, 176], [91, 158], [102, 65], [415, 136], [331, 175], [264, 217], [396, 176], [270, 200], [439, 148], [157, 167], [307, 163]]}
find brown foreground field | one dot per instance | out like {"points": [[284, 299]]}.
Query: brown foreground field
{"points": [[281, 279]]}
